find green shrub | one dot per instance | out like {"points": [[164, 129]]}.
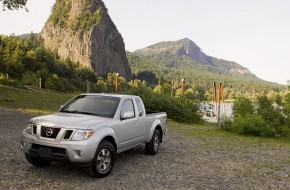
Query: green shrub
{"points": [[177, 109], [242, 107], [266, 120], [226, 123], [282, 131], [253, 125]]}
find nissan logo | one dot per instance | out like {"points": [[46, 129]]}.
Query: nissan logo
{"points": [[49, 131]]}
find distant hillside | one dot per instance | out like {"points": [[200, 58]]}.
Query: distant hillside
{"points": [[174, 60], [24, 36], [185, 54]]}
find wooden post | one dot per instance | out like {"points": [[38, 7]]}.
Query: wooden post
{"points": [[182, 86], [40, 83], [214, 93], [219, 102], [117, 82], [213, 98], [223, 98], [7, 76]]}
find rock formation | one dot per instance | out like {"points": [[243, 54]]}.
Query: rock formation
{"points": [[83, 31]]}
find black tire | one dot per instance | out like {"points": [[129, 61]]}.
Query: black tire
{"points": [[37, 161], [153, 146], [103, 161]]}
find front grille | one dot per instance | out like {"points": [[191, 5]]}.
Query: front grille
{"points": [[49, 132], [68, 134]]}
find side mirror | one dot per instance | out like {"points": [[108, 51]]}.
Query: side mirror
{"points": [[127, 115]]}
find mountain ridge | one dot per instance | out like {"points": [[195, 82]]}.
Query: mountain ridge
{"points": [[187, 49]]}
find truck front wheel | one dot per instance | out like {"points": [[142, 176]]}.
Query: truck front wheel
{"points": [[103, 161], [153, 146], [36, 161]]}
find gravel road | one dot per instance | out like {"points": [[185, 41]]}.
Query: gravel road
{"points": [[184, 162]]}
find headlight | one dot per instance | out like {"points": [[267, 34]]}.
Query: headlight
{"points": [[80, 135], [29, 129]]}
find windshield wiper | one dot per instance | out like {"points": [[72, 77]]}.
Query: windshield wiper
{"points": [[86, 113], [68, 111]]}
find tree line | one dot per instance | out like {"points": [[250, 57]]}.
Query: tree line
{"points": [[24, 60], [198, 81]]}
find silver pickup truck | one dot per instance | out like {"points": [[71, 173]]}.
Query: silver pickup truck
{"points": [[90, 130]]}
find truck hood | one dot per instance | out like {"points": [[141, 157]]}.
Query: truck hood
{"points": [[69, 120]]}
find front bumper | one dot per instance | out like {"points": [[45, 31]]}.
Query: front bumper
{"points": [[79, 152]]}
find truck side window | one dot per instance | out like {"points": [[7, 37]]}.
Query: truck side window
{"points": [[140, 107], [127, 107]]}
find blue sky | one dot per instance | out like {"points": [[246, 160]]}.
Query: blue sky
{"points": [[253, 33]]}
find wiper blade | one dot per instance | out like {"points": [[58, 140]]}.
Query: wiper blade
{"points": [[87, 113], [68, 111]]}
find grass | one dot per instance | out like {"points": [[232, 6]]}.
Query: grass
{"points": [[32, 101], [211, 130]]}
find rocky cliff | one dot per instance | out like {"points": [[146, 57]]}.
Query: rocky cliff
{"points": [[188, 47], [83, 31]]}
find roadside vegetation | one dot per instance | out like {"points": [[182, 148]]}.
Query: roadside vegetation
{"points": [[267, 117], [31, 101]]}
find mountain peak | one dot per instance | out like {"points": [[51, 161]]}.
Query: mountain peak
{"points": [[186, 50], [181, 47], [189, 48]]}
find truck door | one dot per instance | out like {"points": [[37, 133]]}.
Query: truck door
{"points": [[130, 131]]}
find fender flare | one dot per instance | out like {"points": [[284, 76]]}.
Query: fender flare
{"points": [[154, 125], [104, 132]]}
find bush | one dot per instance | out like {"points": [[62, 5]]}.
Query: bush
{"points": [[267, 120], [177, 109], [226, 123], [242, 107], [253, 125], [282, 131]]}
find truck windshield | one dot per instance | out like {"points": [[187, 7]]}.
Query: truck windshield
{"points": [[97, 105]]}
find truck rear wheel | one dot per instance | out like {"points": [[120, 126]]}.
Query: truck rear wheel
{"points": [[103, 161], [37, 161], [153, 146]]}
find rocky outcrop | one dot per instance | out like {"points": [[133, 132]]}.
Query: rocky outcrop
{"points": [[83, 31], [189, 48]]}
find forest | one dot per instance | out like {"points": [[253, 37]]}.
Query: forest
{"points": [[198, 78]]}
